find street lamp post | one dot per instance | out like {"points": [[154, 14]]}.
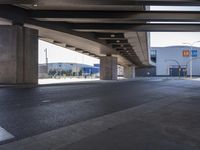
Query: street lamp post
{"points": [[46, 59], [190, 45]]}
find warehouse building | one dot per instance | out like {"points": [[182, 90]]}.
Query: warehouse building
{"points": [[176, 60]]}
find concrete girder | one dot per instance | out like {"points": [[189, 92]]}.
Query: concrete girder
{"points": [[78, 42], [89, 41], [108, 4], [150, 27], [114, 16]]}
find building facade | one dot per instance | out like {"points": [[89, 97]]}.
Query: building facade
{"points": [[72, 69], [66, 69], [176, 60]]}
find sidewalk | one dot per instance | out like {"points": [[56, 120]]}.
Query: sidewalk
{"points": [[66, 80]]}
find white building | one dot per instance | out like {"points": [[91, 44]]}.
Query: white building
{"points": [[175, 60]]}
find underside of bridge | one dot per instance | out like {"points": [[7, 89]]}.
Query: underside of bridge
{"points": [[116, 31]]}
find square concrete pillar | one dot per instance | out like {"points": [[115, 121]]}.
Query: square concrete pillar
{"points": [[108, 68], [129, 72], [19, 55]]}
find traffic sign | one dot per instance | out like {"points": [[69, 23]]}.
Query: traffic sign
{"points": [[194, 53], [186, 53]]}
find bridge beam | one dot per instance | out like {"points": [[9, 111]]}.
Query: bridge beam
{"points": [[109, 2], [115, 16], [141, 27]]}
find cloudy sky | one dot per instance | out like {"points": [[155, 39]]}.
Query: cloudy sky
{"points": [[59, 54], [174, 38]]}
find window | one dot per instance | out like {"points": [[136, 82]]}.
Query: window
{"points": [[153, 55]]}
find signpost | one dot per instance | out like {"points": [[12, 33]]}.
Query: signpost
{"points": [[191, 54]]}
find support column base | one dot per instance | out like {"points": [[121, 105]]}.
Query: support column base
{"points": [[19, 55], [108, 68], [129, 72]]}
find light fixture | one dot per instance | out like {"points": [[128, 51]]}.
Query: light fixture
{"points": [[35, 5], [118, 41], [112, 35]]}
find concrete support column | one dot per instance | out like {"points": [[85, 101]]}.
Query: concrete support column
{"points": [[129, 72], [19, 55], [108, 68]]}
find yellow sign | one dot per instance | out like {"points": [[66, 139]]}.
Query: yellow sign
{"points": [[186, 53]]}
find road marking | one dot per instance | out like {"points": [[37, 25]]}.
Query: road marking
{"points": [[5, 135], [59, 138], [156, 80], [46, 101]]}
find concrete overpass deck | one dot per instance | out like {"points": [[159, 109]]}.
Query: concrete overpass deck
{"points": [[144, 114], [22, 23], [116, 31], [55, 24]]}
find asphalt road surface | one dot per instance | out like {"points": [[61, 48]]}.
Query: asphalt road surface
{"points": [[28, 111]]}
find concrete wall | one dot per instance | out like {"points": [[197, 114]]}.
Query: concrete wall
{"points": [[19, 55], [129, 72], [30, 56], [146, 72]]}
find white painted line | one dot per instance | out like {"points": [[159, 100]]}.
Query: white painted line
{"points": [[156, 80], [59, 138], [5, 135], [46, 101]]}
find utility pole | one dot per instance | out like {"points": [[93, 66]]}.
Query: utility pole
{"points": [[46, 60], [191, 63]]}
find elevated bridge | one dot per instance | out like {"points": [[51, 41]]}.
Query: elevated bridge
{"points": [[116, 31]]}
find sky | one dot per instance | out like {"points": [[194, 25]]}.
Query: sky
{"points": [[176, 8], [59, 54], [157, 39], [162, 39]]}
